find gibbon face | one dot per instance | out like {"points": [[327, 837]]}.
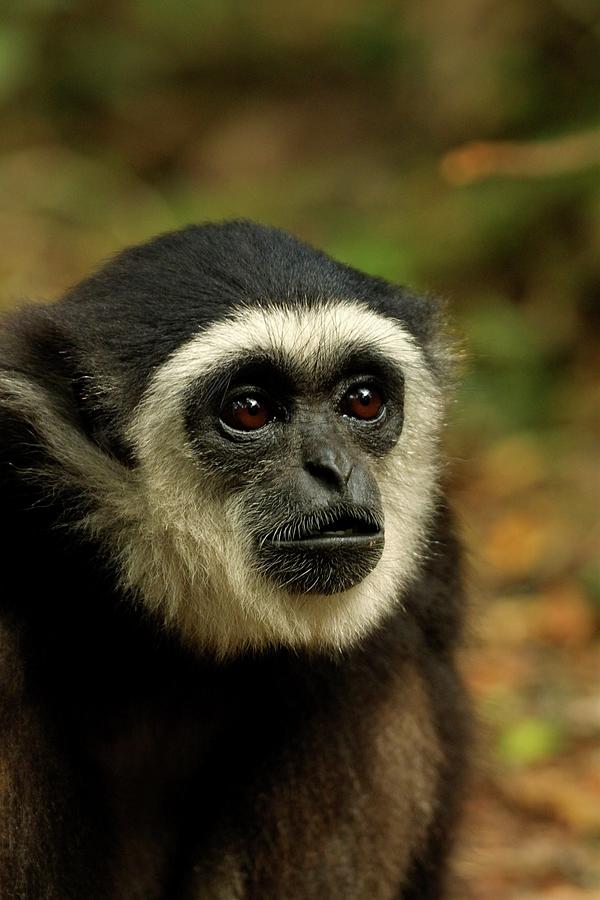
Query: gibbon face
{"points": [[290, 455]]}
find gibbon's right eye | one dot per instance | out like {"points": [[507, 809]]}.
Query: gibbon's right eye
{"points": [[247, 412]]}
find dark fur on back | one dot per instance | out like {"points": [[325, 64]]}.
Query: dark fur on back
{"points": [[132, 767]]}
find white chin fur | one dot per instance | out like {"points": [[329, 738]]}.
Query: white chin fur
{"points": [[180, 548]]}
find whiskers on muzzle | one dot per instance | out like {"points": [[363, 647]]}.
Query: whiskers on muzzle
{"points": [[338, 520]]}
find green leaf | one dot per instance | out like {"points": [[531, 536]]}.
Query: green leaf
{"points": [[530, 740]]}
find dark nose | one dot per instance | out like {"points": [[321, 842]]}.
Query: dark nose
{"points": [[330, 466]]}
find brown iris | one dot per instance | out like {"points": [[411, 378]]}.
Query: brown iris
{"points": [[247, 413], [363, 402]]}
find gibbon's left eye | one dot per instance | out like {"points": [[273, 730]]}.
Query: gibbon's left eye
{"points": [[247, 412], [364, 402]]}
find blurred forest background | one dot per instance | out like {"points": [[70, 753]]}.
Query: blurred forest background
{"points": [[453, 146]]}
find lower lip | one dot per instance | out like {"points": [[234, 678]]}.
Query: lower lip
{"points": [[333, 542]]}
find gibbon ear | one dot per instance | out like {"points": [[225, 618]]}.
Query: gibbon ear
{"points": [[38, 348], [426, 318], [430, 322]]}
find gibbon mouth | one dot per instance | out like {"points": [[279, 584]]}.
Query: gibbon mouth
{"points": [[330, 530]]}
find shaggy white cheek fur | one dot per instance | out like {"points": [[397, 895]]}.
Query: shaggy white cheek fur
{"points": [[182, 549]]}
